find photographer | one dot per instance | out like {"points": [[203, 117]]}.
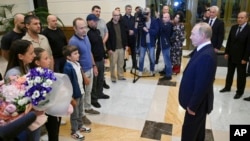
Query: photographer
{"points": [[146, 29]]}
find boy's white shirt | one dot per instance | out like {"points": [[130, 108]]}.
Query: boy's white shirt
{"points": [[77, 69]]}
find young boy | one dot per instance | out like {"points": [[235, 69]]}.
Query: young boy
{"points": [[73, 69]]}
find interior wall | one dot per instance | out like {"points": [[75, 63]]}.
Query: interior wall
{"points": [[20, 6], [67, 10]]}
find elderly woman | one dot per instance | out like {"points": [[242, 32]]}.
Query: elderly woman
{"points": [[177, 41]]}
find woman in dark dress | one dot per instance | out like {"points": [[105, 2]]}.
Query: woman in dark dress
{"points": [[177, 41]]}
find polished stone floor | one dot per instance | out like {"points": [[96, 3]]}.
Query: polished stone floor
{"points": [[148, 110]]}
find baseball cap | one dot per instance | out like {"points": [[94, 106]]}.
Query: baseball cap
{"points": [[92, 17]]}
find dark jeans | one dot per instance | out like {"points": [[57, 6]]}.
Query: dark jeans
{"points": [[97, 89]]}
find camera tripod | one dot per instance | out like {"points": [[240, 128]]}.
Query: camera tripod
{"points": [[134, 70]]}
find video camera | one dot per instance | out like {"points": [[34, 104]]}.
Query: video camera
{"points": [[141, 17]]}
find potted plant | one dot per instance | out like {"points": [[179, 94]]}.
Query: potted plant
{"points": [[6, 18]]}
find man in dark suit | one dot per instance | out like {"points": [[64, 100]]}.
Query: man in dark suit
{"points": [[237, 53], [129, 22], [217, 28], [196, 88]]}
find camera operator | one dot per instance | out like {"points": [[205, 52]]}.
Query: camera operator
{"points": [[147, 28]]}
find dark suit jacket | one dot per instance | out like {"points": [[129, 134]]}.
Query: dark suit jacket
{"points": [[197, 82], [218, 33], [238, 47]]}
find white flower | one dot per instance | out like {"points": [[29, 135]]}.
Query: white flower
{"points": [[30, 82], [39, 69], [21, 93], [35, 94], [23, 101], [44, 94], [47, 83], [38, 79]]}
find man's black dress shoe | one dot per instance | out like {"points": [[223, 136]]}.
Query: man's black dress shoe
{"points": [[96, 104], [122, 78], [237, 96], [103, 96], [105, 85], [165, 78], [225, 90], [247, 98]]}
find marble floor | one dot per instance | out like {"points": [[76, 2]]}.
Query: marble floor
{"points": [[146, 111]]}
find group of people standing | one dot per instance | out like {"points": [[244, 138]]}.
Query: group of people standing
{"points": [[146, 32], [82, 58], [28, 46]]}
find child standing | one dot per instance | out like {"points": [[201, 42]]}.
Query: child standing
{"points": [[73, 69], [43, 60]]}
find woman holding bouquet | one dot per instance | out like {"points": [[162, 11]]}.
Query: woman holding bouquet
{"points": [[20, 56]]}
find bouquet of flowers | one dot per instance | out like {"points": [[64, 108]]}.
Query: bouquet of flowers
{"points": [[12, 99], [38, 84], [17, 92]]}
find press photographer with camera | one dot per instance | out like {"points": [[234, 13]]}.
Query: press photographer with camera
{"points": [[146, 29]]}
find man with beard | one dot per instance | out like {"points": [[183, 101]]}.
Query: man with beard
{"points": [[33, 26]]}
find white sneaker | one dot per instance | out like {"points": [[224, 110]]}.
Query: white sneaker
{"points": [[152, 73], [140, 73], [77, 135], [80, 135], [85, 129]]}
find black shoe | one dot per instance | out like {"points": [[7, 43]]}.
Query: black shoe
{"points": [[103, 96], [96, 104], [165, 78], [122, 78], [135, 68], [237, 96], [248, 74], [225, 90], [162, 72], [247, 98], [105, 85]]}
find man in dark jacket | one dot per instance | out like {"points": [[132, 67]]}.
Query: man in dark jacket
{"points": [[196, 88], [116, 44], [98, 52], [237, 53], [217, 28], [129, 22]]}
